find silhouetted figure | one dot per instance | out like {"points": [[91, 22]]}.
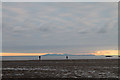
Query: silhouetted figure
{"points": [[39, 57], [66, 57]]}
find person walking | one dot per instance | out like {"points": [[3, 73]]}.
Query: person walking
{"points": [[39, 57], [66, 57]]}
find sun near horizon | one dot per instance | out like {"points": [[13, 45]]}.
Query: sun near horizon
{"points": [[106, 52], [101, 52]]}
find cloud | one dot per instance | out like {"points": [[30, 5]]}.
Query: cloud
{"points": [[83, 32], [108, 27], [58, 23], [63, 16], [102, 30]]}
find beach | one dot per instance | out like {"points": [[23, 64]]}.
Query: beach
{"points": [[87, 68]]}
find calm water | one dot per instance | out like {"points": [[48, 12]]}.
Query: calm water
{"points": [[55, 57]]}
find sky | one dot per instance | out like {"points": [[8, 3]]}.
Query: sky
{"points": [[59, 27], [60, 1]]}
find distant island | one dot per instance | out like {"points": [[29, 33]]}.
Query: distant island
{"points": [[108, 56], [65, 55]]}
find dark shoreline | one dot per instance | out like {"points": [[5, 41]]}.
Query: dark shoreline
{"points": [[61, 60], [83, 68]]}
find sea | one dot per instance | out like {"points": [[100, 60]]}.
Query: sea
{"points": [[9, 58]]}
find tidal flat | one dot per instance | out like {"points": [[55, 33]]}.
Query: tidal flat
{"points": [[87, 68]]}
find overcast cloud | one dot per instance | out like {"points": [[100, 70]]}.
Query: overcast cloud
{"points": [[59, 27]]}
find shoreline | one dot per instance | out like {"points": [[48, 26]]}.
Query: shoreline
{"points": [[60, 60], [82, 68]]}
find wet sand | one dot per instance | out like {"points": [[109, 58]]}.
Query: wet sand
{"points": [[91, 68]]}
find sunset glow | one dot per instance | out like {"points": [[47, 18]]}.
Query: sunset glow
{"points": [[102, 52], [106, 52], [26, 54]]}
